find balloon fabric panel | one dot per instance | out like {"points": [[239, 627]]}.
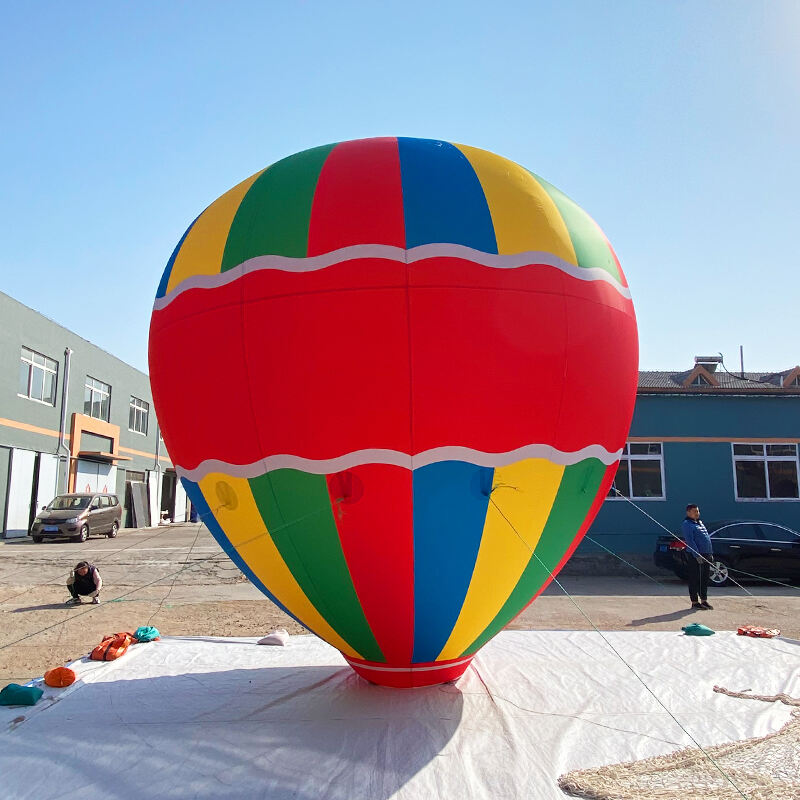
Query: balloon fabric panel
{"points": [[202, 252], [197, 499], [513, 194], [442, 198], [323, 351], [297, 511], [236, 513], [466, 356], [164, 282], [525, 492], [372, 507], [576, 494], [450, 499], [591, 246], [274, 215], [210, 336], [358, 199]]}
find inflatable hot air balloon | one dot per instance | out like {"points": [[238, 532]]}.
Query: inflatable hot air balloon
{"points": [[395, 376]]}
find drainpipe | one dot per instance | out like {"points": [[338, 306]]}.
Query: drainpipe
{"points": [[159, 487], [62, 444]]}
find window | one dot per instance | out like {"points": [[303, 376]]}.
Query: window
{"points": [[795, 382], [700, 380], [97, 399], [640, 474], [765, 471], [739, 531], [775, 533], [38, 376], [104, 502], [137, 416]]}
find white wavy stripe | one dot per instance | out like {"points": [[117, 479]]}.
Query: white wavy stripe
{"points": [[391, 253], [357, 458]]}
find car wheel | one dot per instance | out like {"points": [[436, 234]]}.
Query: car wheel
{"points": [[718, 573], [37, 539], [83, 535], [113, 532]]}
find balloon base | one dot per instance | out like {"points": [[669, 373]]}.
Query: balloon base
{"points": [[410, 676]]}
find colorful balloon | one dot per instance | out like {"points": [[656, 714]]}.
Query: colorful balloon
{"points": [[395, 376]]}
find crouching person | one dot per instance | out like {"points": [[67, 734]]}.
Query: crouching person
{"points": [[85, 581]]}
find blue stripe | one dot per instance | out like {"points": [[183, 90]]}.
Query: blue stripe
{"points": [[196, 496], [450, 502], [162, 286], [443, 200]]}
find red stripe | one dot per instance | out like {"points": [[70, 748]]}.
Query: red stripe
{"points": [[359, 197], [381, 562], [503, 359]]}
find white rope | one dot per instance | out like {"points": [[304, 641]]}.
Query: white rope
{"points": [[617, 653]]}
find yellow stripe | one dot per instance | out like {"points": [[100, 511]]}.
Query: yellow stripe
{"points": [[202, 249], [523, 214], [524, 492], [234, 508]]}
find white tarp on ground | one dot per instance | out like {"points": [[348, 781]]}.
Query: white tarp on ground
{"points": [[224, 718]]}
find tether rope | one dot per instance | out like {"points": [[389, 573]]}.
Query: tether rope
{"points": [[616, 652], [710, 563]]}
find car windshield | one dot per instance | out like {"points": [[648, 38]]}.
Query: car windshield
{"points": [[69, 503]]}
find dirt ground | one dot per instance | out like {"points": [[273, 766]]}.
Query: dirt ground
{"points": [[207, 597]]}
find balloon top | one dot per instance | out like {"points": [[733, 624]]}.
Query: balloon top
{"points": [[414, 195]]}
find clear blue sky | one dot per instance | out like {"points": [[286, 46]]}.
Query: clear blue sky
{"points": [[675, 124]]}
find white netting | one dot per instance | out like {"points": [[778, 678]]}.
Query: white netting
{"points": [[764, 768]]}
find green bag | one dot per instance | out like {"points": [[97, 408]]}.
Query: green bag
{"points": [[16, 695], [696, 629], [146, 633]]}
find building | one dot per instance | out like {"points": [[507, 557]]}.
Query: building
{"points": [[728, 442], [75, 418]]}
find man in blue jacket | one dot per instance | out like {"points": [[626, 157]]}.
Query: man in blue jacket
{"points": [[698, 556]]}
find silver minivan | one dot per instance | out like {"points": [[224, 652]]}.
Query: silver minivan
{"points": [[78, 516]]}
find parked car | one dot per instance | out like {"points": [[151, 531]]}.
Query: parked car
{"points": [[759, 548], [78, 516]]}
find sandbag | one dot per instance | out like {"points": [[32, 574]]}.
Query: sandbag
{"points": [[696, 629], [758, 632], [59, 677], [146, 633], [112, 647], [16, 695]]}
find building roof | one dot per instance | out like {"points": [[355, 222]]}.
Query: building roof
{"points": [[700, 380]]}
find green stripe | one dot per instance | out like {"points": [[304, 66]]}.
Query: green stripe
{"points": [[591, 247], [575, 496], [274, 215], [296, 509]]}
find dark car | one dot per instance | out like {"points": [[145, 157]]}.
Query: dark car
{"points": [[762, 549], [77, 516]]}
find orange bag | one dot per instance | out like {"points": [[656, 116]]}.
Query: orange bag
{"points": [[758, 632], [112, 647], [59, 677]]}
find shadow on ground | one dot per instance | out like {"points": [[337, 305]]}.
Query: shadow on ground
{"points": [[672, 617], [306, 733]]}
